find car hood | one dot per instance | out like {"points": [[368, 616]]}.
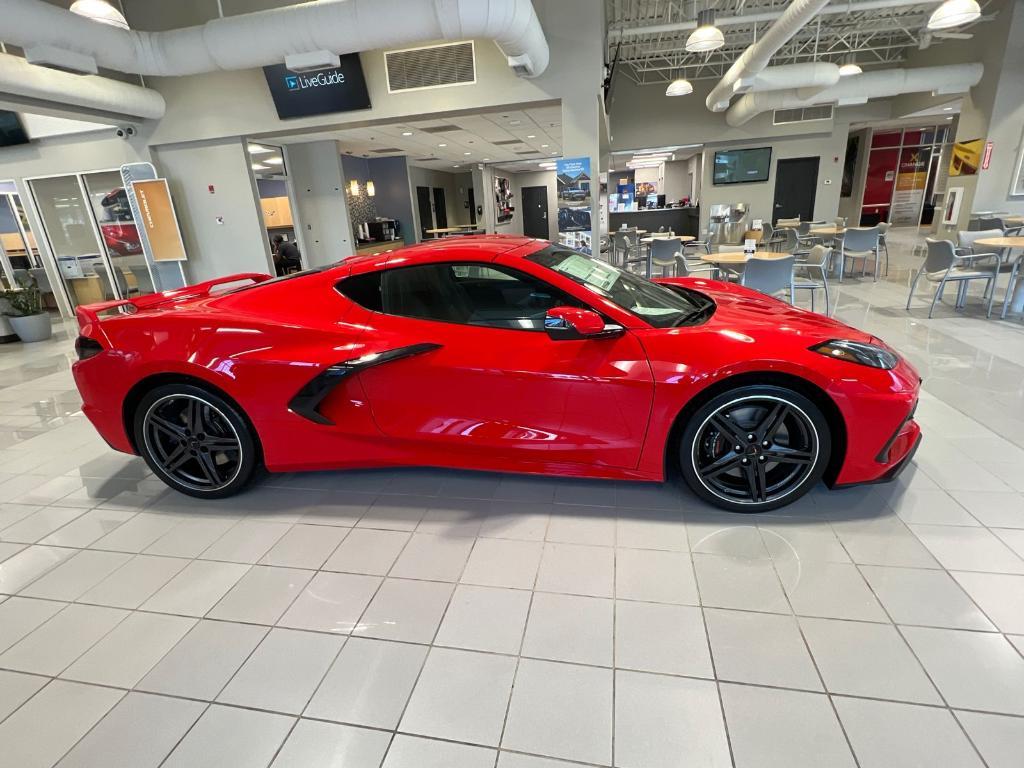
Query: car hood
{"points": [[746, 312]]}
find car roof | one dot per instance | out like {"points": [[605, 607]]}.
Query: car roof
{"points": [[461, 247]]}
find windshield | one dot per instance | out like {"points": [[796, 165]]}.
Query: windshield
{"points": [[656, 304]]}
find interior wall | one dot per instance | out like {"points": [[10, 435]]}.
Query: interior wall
{"points": [[391, 178], [677, 180], [361, 207], [321, 213], [760, 197], [426, 177], [222, 230]]}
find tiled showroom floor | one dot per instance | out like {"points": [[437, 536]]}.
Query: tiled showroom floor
{"points": [[434, 619]]}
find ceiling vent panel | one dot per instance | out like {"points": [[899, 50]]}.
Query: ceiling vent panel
{"points": [[441, 128], [507, 142], [386, 151], [426, 159], [432, 66], [531, 152], [803, 114]]}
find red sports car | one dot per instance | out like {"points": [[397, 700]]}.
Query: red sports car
{"points": [[495, 353]]}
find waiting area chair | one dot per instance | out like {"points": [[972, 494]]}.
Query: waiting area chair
{"points": [[859, 243], [810, 272], [770, 276], [942, 265], [993, 259]]}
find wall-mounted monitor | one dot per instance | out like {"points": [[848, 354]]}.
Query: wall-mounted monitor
{"points": [[12, 132], [742, 166], [297, 94]]}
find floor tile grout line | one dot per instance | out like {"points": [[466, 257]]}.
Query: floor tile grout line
{"points": [[814, 661]]}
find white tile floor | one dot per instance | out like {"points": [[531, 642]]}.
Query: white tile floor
{"points": [[434, 619]]}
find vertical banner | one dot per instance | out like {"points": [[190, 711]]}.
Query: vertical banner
{"points": [[158, 220], [574, 200], [911, 180], [166, 275]]}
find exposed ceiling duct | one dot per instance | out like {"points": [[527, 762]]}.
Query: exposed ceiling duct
{"points": [[256, 39], [797, 14], [89, 94], [758, 18], [812, 76], [857, 89]]}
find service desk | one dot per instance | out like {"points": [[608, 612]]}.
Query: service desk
{"points": [[682, 221]]}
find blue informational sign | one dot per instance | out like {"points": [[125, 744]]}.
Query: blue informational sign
{"points": [[574, 201]]}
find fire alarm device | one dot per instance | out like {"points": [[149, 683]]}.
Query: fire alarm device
{"points": [[210, 188]]}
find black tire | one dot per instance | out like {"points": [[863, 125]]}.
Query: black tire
{"points": [[197, 442], [754, 448]]}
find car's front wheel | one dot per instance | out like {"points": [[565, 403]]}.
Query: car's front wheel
{"points": [[195, 441], [755, 448]]}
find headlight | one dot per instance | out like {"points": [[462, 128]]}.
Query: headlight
{"points": [[859, 352]]}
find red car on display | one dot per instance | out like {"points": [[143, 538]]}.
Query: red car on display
{"points": [[495, 353]]}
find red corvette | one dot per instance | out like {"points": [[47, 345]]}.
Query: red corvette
{"points": [[495, 353]]}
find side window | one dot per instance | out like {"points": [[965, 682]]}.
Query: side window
{"points": [[364, 290], [470, 294]]}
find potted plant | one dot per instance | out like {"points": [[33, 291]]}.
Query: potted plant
{"points": [[24, 308]]}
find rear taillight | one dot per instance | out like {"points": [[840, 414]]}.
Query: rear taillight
{"points": [[86, 347]]}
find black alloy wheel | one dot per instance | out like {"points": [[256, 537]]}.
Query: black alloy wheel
{"points": [[195, 441], [755, 448]]}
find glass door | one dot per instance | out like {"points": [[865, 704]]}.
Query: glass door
{"points": [[74, 239], [118, 233], [19, 254]]}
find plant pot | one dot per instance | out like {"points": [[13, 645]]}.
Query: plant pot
{"points": [[7, 333], [33, 327]]}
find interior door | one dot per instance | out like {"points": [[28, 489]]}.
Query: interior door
{"points": [[425, 210], [501, 394], [535, 212], [440, 209], [796, 183]]}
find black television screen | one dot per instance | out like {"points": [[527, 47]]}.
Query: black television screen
{"points": [[297, 94], [11, 130], [740, 166]]}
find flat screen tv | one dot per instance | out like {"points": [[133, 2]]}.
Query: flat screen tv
{"points": [[298, 94], [11, 130], [742, 166]]}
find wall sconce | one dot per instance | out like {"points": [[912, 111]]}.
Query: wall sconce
{"points": [[353, 188], [370, 189]]}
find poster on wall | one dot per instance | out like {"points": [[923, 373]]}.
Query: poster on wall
{"points": [[911, 180], [1017, 186], [574, 199], [966, 157], [951, 210], [158, 220], [166, 275], [502, 200]]}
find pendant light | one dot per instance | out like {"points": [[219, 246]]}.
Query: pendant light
{"points": [[353, 188], [679, 87], [953, 13], [849, 66], [101, 11], [370, 189], [706, 37]]}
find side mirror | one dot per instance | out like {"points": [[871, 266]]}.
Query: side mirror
{"points": [[566, 323]]}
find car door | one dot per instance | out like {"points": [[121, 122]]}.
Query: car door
{"points": [[486, 381]]}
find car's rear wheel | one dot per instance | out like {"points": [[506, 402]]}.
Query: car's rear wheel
{"points": [[195, 441], [755, 448]]}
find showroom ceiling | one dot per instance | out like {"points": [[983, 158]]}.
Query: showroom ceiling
{"points": [[875, 36], [522, 137]]}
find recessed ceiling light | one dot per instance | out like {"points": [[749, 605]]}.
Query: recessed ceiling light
{"points": [[531, 136], [947, 109], [274, 161], [442, 145], [259, 167], [467, 153], [515, 122], [544, 146], [455, 166], [258, 149], [950, 117], [487, 159], [407, 133]]}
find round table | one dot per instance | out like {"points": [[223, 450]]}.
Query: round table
{"points": [[1017, 300], [681, 238], [827, 231], [738, 257]]}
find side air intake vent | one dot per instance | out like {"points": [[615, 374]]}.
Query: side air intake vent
{"points": [[433, 66], [803, 114]]}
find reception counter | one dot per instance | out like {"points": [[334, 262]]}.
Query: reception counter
{"points": [[682, 221]]}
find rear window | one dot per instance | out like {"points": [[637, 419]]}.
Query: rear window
{"points": [[364, 290]]}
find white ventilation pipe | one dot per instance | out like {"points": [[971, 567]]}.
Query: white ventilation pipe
{"points": [[857, 89], [256, 39], [812, 76], [758, 54], [96, 95]]}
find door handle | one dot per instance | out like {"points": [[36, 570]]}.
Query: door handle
{"points": [[778, 205]]}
